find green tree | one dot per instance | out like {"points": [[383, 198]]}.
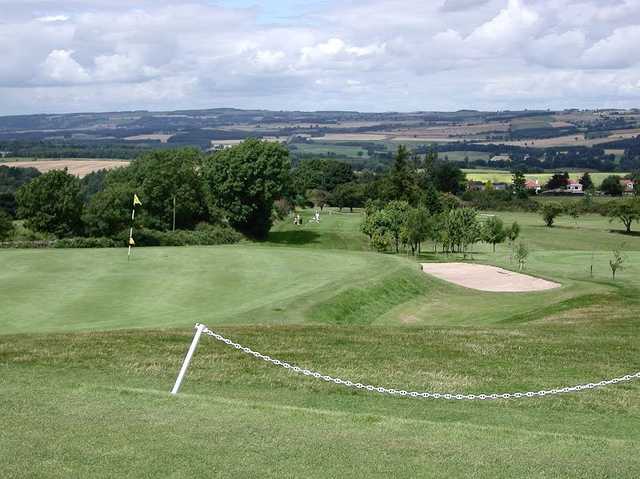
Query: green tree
{"points": [[573, 210], [626, 211], [549, 212], [521, 253], [396, 213], [558, 181], [318, 197], [161, 176], [245, 180], [611, 186], [321, 174], [416, 229], [519, 184], [513, 232], [347, 195], [616, 263], [448, 178], [109, 211], [6, 226], [52, 203], [494, 232], [586, 182], [401, 182]]}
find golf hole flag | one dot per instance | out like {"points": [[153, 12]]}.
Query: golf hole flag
{"points": [[136, 202]]}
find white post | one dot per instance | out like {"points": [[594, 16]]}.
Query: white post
{"points": [[187, 359]]}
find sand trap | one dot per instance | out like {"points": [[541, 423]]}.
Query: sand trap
{"points": [[487, 278]]}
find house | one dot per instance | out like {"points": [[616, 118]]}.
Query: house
{"points": [[532, 185], [627, 186], [500, 158], [500, 186], [574, 187], [475, 185]]}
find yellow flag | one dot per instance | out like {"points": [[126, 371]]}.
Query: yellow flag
{"points": [[136, 200], [131, 242]]}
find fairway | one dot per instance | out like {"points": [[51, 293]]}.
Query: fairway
{"points": [[90, 345]]}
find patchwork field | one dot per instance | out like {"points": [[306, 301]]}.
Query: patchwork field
{"points": [[90, 346], [505, 176], [79, 167]]}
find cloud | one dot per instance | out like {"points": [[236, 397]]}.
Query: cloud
{"points": [[362, 54], [52, 18], [60, 67]]}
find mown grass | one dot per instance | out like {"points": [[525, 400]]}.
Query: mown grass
{"points": [[78, 400], [96, 404]]}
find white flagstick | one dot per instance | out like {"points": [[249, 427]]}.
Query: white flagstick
{"points": [[130, 237], [187, 359]]}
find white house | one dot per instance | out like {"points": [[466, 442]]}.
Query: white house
{"points": [[574, 187]]}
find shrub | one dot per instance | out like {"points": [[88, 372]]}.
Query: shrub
{"points": [[85, 243], [203, 236], [6, 226]]}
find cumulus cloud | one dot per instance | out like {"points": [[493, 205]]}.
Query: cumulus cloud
{"points": [[363, 54]]}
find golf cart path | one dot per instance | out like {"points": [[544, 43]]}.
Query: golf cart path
{"points": [[487, 278]]}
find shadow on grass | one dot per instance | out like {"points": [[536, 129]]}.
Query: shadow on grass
{"points": [[300, 237], [624, 233]]}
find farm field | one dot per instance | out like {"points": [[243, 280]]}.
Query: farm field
{"points": [[577, 139], [330, 149], [505, 176], [79, 167], [461, 155], [312, 296]]}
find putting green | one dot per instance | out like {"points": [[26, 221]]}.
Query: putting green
{"points": [[61, 290]]}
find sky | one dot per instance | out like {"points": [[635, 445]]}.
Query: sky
{"points": [[370, 55]]}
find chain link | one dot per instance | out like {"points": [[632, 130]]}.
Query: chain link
{"points": [[420, 394]]}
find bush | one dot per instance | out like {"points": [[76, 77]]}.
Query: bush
{"points": [[203, 236], [85, 243], [6, 226]]}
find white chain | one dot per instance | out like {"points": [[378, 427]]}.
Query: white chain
{"points": [[416, 394]]}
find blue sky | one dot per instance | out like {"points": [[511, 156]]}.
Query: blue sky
{"points": [[373, 55]]}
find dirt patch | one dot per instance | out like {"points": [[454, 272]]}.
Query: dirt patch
{"points": [[487, 278], [408, 319]]}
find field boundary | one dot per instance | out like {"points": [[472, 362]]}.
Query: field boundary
{"points": [[201, 328]]}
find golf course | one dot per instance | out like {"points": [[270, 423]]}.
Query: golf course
{"points": [[91, 343]]}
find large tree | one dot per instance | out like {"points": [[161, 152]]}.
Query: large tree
{"points": [[400, 184], [109, 211], [348, 195], [52, 203], [320, 174], [626, 211], [586, 182], [160, 177], [448, 178], [245, 180], [611, 186], [558, 181]]}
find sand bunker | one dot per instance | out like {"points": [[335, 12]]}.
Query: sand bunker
{"points": [[487, 278]]}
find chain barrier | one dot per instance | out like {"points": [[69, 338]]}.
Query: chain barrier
{"points": [[420, 394]]}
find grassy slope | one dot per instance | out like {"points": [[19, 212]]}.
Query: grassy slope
{"points": [[95, 404]]}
